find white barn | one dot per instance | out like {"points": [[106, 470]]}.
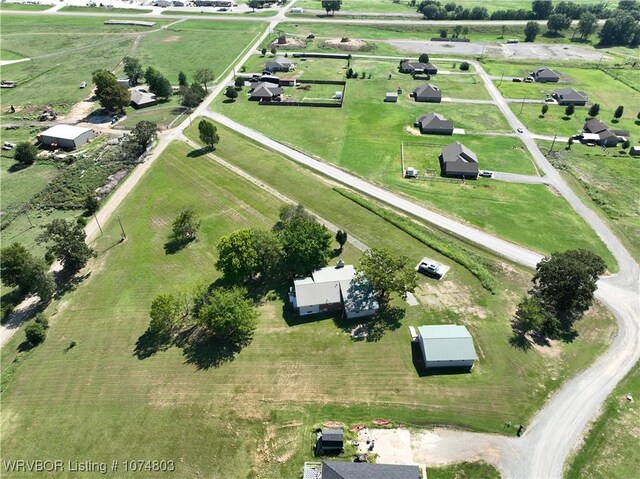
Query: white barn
{"points": [[447, 346], [66, 136]]}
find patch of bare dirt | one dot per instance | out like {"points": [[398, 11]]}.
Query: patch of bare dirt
{"points": [[412, 130], [449, 295], [171, 39], [291, 43], [351, 44]]}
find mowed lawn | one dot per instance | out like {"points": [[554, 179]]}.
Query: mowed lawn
{"points": [[255, 415], [193, 44], [610, 449], [366, 134]]}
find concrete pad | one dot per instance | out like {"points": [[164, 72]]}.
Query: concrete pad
{"points": [[411, 300], [393, 446], [458, 131]]}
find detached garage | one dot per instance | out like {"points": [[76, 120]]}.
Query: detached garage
{"points": [[66, 136], [447, 346]]}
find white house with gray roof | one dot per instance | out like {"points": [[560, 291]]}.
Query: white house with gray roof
{"points": [[447, 346], [333, 288]]}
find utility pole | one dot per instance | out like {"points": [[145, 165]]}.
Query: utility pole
{"points": [[98, 223], [124, 235], [25, 213], [522, 106], [501, 77], [553, 143]]}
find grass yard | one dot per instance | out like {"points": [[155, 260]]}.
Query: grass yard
{"points": [[105, 10], [258, 412], [609, 179], [8, 55], [611, 447], [193, 44], [464, 470], [23, 6]]}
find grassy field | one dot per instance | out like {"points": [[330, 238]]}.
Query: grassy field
{"points": [[106, 11], [23, 6], [7, 55], [609, 179], [258, 411], [611, 447], [176, 48], [465, 470], [365, 137]]}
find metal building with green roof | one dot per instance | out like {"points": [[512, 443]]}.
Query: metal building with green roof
{"points": [[447, 346]]}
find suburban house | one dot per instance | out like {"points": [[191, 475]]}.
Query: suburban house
{"points": [[596, 130], [545, 75], [447, 346], [265, 91], [417, 67], [279, 64], [334, 288], [141, 98], [329, 441], [435, 124], [65, 136], [569, 96], [427, 93], [363, 470], [458, 161]]}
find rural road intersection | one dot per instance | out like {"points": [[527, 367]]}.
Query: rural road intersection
{"points": [[558, 426]]}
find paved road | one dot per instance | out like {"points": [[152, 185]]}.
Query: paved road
{"points": [[515, 178]]}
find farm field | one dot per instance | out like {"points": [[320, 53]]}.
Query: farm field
{"points": [[106, 11], [609, 179], [610, 448], [172, 50], [365, 137], [164, 406]]}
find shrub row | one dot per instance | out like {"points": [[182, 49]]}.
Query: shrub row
{"points": [[427, 236]]}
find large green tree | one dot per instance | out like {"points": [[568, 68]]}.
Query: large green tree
{"points": [[185, 226], [331, 6], [388, 274], [620, 29], [306, 246], [531, 31], [25, 153], [19, 268], [237, 256], [594, 109], [204, 76], [65, 241], [115, 98], [133, 69], [159, 85], [564, 283], [587, 25], [192, 95], [165, 316], [102, 80], [208, 133], [229, 315], [558, 22], [542, 8]]}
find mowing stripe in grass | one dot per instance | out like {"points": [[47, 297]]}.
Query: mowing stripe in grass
{"points": [[428, 236]]}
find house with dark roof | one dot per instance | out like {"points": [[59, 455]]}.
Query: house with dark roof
{"points": [[545, 75], [279, 64], [141, 98], [427, 93], [329, 441], [447, 346], [569, 96], [596, 130], [265, 91], [457, 161], [434, 124], [363, 470], [418, 67]]}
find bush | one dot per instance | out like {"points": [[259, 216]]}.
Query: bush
{"points": [[25, 153], [42, 320], [35, 333], [464, 66]]}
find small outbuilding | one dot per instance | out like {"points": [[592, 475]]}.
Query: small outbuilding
{"points": [[66, 136], [634, 151], [569, 96], [391, 97], [435, 124], [447, 346], [365, 470], [545, 75], [458, 161], [427, 93], [329, 441]]}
